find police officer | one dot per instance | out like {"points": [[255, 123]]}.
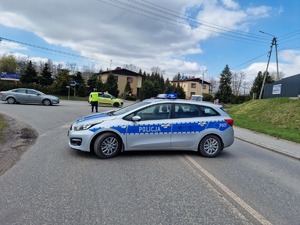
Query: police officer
{"points": [[94, 98]]}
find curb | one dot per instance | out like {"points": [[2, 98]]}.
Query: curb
{"points": [[270, 148]]}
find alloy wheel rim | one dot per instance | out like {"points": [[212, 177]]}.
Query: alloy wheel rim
{"points": [[109, 146], [211, 146]]}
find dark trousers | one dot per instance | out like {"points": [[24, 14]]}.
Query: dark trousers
{"points": [[94, 105]]}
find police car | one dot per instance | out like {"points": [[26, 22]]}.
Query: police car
{"points": [[155, 124]]}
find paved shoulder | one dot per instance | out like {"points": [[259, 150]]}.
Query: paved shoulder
{"points": [[288, 148]]}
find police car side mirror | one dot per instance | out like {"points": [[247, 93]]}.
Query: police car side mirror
{"points": [[136, 118]]}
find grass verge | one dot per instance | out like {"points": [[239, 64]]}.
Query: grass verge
{"points": [[278, 117]]}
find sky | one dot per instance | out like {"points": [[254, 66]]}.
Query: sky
{"points": [[191, 37]]}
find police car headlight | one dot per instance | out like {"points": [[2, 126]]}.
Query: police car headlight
{"points": [[83, 126]]}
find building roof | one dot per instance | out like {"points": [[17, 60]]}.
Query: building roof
{"points": [[192, 80], [121, 71]]}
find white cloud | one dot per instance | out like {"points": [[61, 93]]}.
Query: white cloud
{"points": [[230, 4], [108, 32]]}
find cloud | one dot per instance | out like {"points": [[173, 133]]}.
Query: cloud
{"points": [[141, 33]]}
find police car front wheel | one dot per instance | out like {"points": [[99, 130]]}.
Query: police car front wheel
{"points": [[107, 145], [210, 146]]}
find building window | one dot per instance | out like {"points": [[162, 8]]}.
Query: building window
{"points": [[116, 78], [203, 86], [193, 85]]}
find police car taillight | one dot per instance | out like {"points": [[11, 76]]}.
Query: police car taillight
{"points": [[230, 122]]}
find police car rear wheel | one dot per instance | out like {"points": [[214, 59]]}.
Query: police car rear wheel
{"points": [[107, 145], [210, 146]]}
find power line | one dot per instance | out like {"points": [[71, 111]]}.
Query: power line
{"points": [[176, 20]]}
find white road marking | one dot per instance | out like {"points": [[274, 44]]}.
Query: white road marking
{"points": [[232, 195]]}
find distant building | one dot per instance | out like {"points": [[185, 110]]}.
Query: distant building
{"points": [[193, 86], [123, 76], [10, 76], [286, 87]]}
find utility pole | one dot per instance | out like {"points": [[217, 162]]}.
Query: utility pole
{"points": [[202, 81], [274, 42]]}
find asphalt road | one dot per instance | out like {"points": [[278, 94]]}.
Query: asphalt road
{"points": [[53, 184]]}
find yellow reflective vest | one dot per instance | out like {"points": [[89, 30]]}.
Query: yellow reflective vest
{"points": [[94, 97]]}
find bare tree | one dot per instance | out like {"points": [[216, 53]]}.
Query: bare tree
{"points": [[132, 67], [157, 70], [237, 81], [277, 77], [72, 67], [213, 85]]}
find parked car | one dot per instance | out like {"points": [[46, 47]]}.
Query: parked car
{"points": [[107, 99], [155, 124], [197, 97], [26, 95]]}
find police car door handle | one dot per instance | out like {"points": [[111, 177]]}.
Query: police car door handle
{"points": [[166, 125]]}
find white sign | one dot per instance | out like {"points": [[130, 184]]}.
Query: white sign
{"points": [[276, 89]]}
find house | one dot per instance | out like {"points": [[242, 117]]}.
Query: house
{"points": [[193, 86], [123, 76], [286, 87]]}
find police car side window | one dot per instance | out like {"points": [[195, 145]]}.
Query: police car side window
{"points": [[156, 112], [207, 111], [186, 111]]}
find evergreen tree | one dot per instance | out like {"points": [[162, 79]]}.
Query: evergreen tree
{"points": [[61, 82], [29, 75], [78, 78], [93, 81], [99, 85], [180, 92], [127, 89], [81, 90], [46, 78], [258, 81], [225, 91], [112, 85], [147, 90]]}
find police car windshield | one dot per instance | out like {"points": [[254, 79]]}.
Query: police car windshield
{"points": [[130, 108]]}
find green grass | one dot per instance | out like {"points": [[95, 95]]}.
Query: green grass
{"points": [[278, 117], [2, 126]]}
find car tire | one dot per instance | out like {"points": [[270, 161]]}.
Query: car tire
{"points": [[116, 104], [11, 100], [210, 146], [47, 102], [107, 145]]}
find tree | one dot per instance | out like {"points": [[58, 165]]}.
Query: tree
{"points": [[112, 85], [147, 90], [127, 89], [62, 81], [82, 90], [237, 81], [46, 78], [257, 83], [8, 64], [93, 81], [224, 91], [29, 75], [180, 92]]}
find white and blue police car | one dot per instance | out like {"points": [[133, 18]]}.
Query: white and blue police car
{"points": [[155, 124]]}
